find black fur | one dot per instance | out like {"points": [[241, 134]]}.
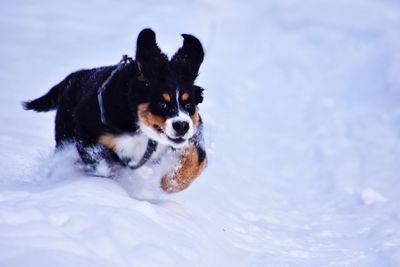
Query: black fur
{"points": [[78, 117]]}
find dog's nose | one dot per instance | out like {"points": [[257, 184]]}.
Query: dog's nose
{"points": [[180, 127]]}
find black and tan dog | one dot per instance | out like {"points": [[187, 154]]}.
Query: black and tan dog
{"points": [[133, 112]]}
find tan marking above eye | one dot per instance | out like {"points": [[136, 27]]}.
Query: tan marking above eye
{"points": [[166, 97], [185, 96]]}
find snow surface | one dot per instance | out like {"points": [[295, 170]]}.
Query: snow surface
{"points": [[302, 128]]}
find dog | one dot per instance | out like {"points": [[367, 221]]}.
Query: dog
{"points": [[133, 112]]}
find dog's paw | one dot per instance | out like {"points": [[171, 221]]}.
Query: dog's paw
{"points": [[192, 163]]}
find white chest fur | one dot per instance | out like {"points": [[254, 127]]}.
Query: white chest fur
{"points": [[133, 147], [144, 182]]}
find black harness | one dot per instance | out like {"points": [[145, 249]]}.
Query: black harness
{"points": [[151, 144], [150, 149]]}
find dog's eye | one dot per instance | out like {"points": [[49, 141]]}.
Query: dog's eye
{"points": [[163, 105], [188, 106]]}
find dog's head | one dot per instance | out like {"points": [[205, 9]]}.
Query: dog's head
{"points": [[169, 112]]}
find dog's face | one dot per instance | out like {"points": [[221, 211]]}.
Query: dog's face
{"points": [[170, 113], [171, 116]]}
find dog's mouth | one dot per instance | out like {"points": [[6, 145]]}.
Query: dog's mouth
{"points": [[178, 140]]}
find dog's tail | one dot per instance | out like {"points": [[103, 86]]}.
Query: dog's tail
{"points": [[47, 102]]}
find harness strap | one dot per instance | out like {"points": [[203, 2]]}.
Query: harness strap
{"points": [[151, 144], [150, 149], [125, 60]]}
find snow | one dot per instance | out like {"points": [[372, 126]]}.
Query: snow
{"points": [[302, 128], [370, 196]]}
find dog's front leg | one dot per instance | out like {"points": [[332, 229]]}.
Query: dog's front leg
{"points": [[192, 163], [94, 158]]}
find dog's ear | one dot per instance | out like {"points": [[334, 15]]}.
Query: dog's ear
{"points": [[149, 56], [198, 94], [187, 60]]}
